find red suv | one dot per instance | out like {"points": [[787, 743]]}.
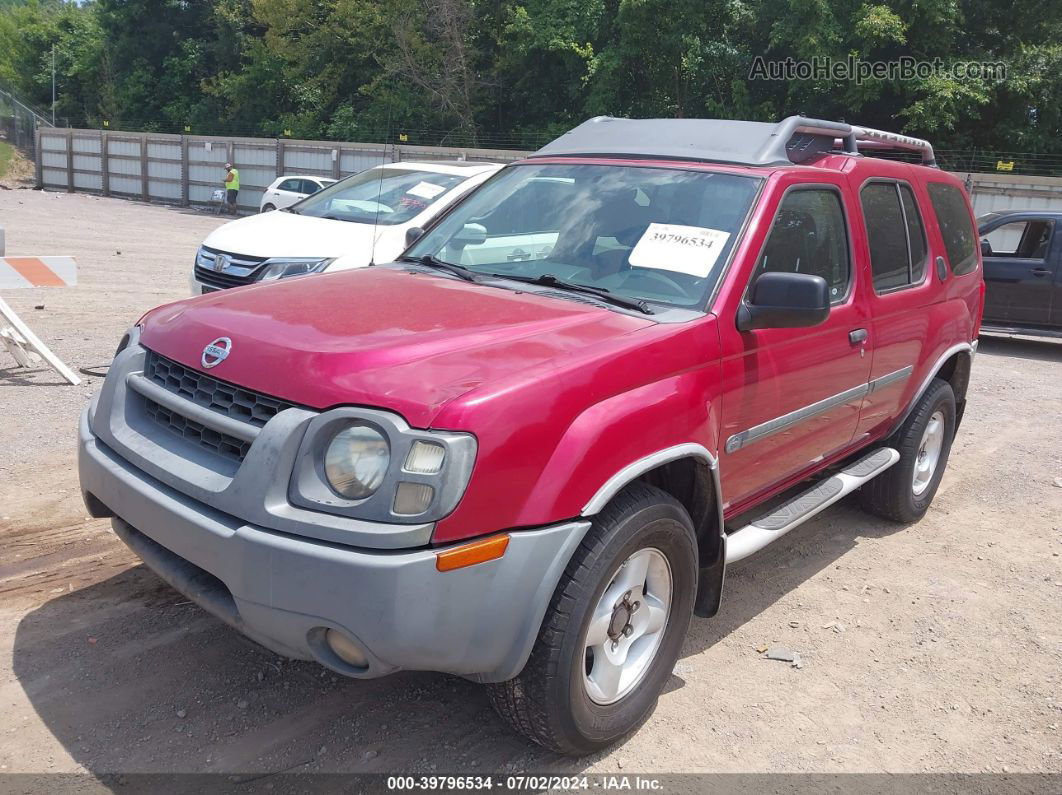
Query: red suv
{"points": [[525, 452]]}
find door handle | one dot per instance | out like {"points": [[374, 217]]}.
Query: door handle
{"points": [[1041, 271], [857, 336]]}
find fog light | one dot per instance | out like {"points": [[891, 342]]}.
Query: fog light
{"points": [[424, 458], [345, 649], [412, 499]]}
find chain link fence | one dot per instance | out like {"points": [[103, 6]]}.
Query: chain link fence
{"points": [[19, 123]]}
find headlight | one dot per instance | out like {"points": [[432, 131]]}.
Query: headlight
{"points": [[278, 268], [356, 461], [368, 464]]}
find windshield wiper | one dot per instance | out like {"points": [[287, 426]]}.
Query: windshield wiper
{"points": [[549, 280], [290, 210], [429, 261]]}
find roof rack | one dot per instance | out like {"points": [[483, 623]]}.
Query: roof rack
{"points": [[858, 137], [793, 140]]}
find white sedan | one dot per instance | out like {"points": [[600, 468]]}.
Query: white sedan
{"points": [[285, 191], [357, 221]]}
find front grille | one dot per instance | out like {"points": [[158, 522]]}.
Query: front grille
{"points": [[239, 269], [220, 281], [228, 399], [221, 443]]}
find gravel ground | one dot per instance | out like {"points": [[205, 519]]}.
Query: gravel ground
{"points": [[932, 647]]}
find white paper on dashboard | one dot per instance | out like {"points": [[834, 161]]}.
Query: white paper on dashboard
{"points": [[692, 250], [425, 190]]}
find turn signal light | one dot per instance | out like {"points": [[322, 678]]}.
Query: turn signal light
{"points": [[470, 554]]}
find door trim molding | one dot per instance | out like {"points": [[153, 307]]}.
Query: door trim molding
{"points": [[769, 428]]}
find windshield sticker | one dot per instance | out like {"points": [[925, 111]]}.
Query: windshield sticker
{"points": [[425, 190], [692, 250]]}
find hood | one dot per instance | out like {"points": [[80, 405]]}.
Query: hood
{"points": [[281, 234], [382, 336]]}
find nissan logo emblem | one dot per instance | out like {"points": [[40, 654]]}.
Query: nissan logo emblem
{"points": [[216, 352]]}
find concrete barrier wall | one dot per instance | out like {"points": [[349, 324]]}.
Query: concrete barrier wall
{"points": [[1013, 192], [187, 169]]}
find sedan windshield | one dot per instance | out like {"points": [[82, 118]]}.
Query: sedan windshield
{"points": [[384, 196], [651, 234]]}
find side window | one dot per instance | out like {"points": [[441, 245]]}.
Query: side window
{"points": [[291, 185], [309, 186], [895, 234], [916, 234], [953, 217], [1021, 239], [809, 236]]}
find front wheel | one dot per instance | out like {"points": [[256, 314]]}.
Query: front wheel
{"points": [[614, 628], [904, 492]]}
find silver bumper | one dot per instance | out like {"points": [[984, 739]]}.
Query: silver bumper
{"points": [[283, 591]]}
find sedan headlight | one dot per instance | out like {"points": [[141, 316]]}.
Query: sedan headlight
{"points": [[356, 461], [283, 268]]}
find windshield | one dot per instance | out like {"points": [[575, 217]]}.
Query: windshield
{"points": [[386, 196], [655, 234]]}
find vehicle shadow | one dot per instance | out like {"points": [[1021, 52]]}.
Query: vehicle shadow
{"points": [[131, 677], [1040, 349]]}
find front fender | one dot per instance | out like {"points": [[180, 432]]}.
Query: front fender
{"points": [[613, 442]]}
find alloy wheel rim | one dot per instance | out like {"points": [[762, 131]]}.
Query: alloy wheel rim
{"points": [[928, 453], [627, 626]]}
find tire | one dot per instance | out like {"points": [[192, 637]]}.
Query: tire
{"points": [[895, 494], [268, 208], [549, 701]]}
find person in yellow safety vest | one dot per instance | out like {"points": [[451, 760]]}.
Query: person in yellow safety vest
{"points": [[232, 186]]}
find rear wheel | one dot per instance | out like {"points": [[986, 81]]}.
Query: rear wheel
{"points": [[904, 492], [613, 630], [268, 208]]}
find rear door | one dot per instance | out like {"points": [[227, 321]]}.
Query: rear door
{"points": [[896, 255], [288, 192], [1021, 270], [791, 397]]}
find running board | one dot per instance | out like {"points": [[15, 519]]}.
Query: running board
{"points": [[755, 536]]}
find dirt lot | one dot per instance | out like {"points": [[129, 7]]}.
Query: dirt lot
{"points": [[943, 655]]}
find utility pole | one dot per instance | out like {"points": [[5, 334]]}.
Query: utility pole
{"points": [[53, 85]]}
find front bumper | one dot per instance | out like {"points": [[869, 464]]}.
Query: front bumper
{"points": [[283, 591]]}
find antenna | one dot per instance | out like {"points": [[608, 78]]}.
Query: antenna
{"points": [[379, 193]]}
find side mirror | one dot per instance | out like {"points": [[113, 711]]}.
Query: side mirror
{"points": [[986, 248], [470, 235], [785, 300], [413, 234]]}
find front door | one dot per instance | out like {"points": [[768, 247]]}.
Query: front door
{"points": [[1020, 271], [791, 397]]}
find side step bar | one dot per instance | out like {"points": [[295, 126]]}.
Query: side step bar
{"points": [[755, 536]]}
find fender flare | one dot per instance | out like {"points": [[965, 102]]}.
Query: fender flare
{"points": [[962, 347], [711, 572]]}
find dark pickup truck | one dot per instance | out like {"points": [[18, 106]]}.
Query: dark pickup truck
{"points": [[1023, 272]]}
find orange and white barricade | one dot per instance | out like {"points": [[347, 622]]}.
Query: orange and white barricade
{"points": [[15, 335]]}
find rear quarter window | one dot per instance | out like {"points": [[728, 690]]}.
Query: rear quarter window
{"points": [[956, 227]]}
